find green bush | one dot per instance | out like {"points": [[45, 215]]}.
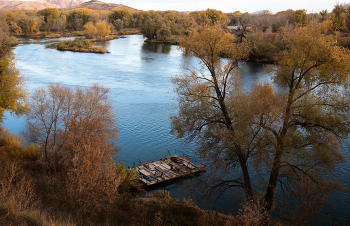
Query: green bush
{"points": [[128, 175]]}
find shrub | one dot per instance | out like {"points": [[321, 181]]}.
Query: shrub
{"points": [[10, 140], [79, 45], [90, 30], [102, 29], [252, 214], [127, 175], [31, 152], [78, 33], [161, 194]]}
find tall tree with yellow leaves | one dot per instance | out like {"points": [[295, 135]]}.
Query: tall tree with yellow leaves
{"points": [[33, 25], [12, 92]]}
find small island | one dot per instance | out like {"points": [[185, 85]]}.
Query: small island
{"points": [[80, 45], [93, 33]]}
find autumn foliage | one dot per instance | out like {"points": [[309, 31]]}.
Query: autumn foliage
{"points": [[97, 31], [292, 127], [91, 180], [12, 93]]}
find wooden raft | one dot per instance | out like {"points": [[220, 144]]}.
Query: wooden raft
{"points": [[166, 168]]}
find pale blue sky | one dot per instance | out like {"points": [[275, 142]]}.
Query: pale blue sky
{"points": [[229, 5]]}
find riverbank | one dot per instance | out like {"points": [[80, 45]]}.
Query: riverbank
{"points": [[67, 33], [58, 34], [33, 196]]}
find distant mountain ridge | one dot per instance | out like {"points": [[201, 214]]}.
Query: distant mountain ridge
{"points": [[98, 5], [61, 4], [39, 4]]}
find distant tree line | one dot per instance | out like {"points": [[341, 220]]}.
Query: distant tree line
{"points": [[52, 19], [260, 30]]}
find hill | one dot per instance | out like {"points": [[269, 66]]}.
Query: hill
{"points": [[98, 5], [41, 4], [61, 4]]}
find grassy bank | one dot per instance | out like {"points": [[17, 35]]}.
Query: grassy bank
{"points": [[80, 45]]}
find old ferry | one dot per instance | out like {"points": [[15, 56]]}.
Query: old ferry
{"points": [[166, 168]]}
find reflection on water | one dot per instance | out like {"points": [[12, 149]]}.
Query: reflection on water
{"points": [[147, 59], [156, 48], [254, 68], [104, 44], [139, 77]]}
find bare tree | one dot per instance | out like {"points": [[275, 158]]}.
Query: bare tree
{"points": [[51, 107]]}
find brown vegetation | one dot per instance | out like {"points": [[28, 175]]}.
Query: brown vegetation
{"points": [[69, 165], [33, 196], [81, 45]]}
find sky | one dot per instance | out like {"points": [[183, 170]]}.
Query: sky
{"points": [[227, 6]]}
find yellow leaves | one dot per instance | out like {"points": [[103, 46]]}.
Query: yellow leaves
{"points": [[100, 30], [15, 28], [90, 30], [210, 17], [33, 25], [103, 29], [12, 93], [313, 54], [210, 42], [10, 140], [300, 16]]}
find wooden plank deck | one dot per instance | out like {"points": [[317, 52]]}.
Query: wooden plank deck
{"points": [[164, 169]]}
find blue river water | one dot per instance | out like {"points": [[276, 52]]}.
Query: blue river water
{"points": [[139, 77]]}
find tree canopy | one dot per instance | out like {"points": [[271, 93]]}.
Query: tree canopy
{"points": [[55, 108], [285, 130]]}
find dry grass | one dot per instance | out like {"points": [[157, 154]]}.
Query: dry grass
{"points": [[19, 204], [161, 209]]}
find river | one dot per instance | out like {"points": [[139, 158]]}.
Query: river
{"points": [[139, 77]]}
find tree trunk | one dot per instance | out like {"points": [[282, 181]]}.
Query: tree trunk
{"points": [[247, 184], [241, 156], [273, 181]]}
